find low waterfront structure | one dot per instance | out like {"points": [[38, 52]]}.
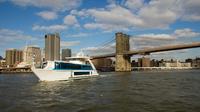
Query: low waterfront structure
{"points": [[196, 63], [2, 63], [175, 64]]}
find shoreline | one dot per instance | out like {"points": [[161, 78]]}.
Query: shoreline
{"points": [[28, 70]]}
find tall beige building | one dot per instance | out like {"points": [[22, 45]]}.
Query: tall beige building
{"points": [[52, 47], [13, 57], [31, 52]]}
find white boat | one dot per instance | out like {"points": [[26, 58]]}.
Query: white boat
{"points": [[73, 67]]}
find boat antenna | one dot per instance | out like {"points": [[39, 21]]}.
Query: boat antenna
{"points": [[80, 54], [33, 60]]}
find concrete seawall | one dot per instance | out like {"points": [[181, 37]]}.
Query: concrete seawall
{"points": [[162, 68], [15, 70]]}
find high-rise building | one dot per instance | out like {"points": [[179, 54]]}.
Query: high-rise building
{"points": [[13, 57], [52, 47], [66, 53], [31, 52]]}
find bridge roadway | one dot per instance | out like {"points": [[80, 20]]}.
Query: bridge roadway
{"points": [[152, 50]]}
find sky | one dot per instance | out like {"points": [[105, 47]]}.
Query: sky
{"points": [[90, 25]]}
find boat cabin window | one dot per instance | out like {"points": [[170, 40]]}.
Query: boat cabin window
{"points": [[71, 66], [76, 59]]}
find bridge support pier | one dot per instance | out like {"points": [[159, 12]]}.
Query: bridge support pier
{"points": [[123, 62]]}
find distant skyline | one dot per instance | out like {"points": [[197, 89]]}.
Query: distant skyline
{"points": [[85, 24]]}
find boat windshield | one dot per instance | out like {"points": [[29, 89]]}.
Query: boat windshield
{"points": [[44, 64]]}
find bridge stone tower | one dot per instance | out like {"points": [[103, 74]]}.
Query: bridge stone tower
{"points": [[123, 63]]}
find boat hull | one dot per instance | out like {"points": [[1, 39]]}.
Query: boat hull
{"points": [[54, 75]]}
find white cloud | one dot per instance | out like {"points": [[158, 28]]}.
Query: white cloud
{"points": [[51, 28], [69, 43], [48, 15], [7, 36], [70, 20], [124, 16], [154, 37], [115, 15], [57, 5], [92, 51], [188, 33], [105, 27], [154, 40], [78, 13], [159, 13], [191, 17], [128, 14], [113, 18], [10, 38], [131, 14], [78, 35], [134, 4], [94, 26], [190, 10], [168, 54]]}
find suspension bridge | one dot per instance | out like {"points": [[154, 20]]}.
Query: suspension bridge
{"points": [[123, 53]]}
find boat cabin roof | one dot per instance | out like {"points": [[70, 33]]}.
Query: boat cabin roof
{"points": [[77, 58], [70, 58]]}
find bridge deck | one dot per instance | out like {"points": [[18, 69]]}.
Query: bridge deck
{"points": [[153, 50]]}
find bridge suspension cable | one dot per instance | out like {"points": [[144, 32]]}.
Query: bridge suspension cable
{"points": [[106, 42]]}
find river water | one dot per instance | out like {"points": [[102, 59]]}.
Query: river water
{"points": [[152, 91]]}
